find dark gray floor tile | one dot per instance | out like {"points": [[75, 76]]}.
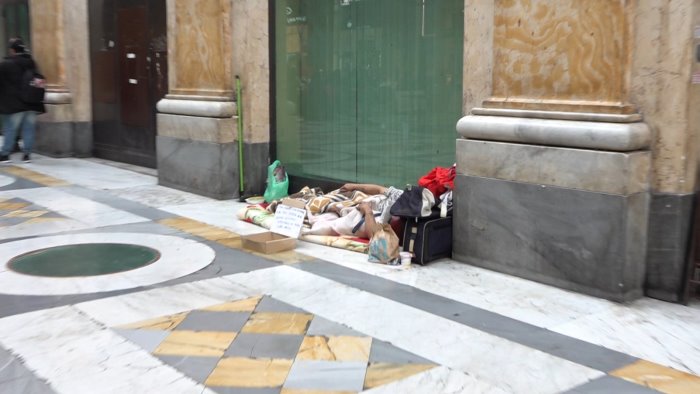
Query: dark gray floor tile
{"points": [[11, 368], [269, 304], [28, 385], [147, 339], [326, 375], [265, 346], [197, 368], [245, 390], [214, 321], [610, 384], [323, 327], [383, 352]]}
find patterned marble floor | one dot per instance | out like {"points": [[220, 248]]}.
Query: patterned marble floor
{"points": [[210, 317]]}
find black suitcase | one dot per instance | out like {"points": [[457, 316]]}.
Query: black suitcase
{"points": [[428, 238]]}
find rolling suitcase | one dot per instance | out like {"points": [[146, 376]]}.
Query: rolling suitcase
{"points": [[428, 238]]}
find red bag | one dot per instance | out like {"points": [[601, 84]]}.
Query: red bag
{"points": [[439, 180]]}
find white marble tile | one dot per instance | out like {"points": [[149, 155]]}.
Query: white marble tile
{"points": [[496, 361], [81, 212], [158, 196], [89, 174], [6, 180], [134, 307], [658, 331], [178, 257], [216, 213], [530, 302], [441, 380], [76, 355]]}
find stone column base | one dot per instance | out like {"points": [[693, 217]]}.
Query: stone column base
{"points": [[572, 218], [58, 135]]}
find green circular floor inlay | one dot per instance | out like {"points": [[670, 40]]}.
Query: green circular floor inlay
{"points": [[83, 260]]}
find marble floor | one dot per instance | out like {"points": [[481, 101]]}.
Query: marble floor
{"points": [[211, 317]]}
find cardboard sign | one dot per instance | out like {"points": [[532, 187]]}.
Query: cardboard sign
{"points": [[288, 220]]}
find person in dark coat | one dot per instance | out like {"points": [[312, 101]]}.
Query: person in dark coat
{"points": [[19, 116]]}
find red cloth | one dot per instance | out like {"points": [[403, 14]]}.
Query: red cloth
{"points": [[439, 180]]}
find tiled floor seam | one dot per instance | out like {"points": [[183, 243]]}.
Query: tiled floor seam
{"points": [[623, 364]]}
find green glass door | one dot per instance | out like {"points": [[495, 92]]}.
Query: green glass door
{"points": [[367, 90]]}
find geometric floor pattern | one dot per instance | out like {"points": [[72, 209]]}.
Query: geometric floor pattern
{"points": [[15, 211], [262, 345]]}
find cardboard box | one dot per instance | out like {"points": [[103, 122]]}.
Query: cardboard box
{"points": [[268, 242]]}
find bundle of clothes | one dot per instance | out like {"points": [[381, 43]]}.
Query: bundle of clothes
{"points": [[362, 217]]}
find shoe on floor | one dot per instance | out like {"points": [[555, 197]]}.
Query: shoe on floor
{"points": [[26, 158], [4, 159]]}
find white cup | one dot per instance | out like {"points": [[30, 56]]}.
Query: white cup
{"points": [[405, 258]]}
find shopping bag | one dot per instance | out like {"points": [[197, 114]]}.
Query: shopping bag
{"points": [[277, 182]]}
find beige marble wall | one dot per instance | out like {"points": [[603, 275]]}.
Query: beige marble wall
{"points": [[566, 55], [599, 56], [77, 58], [250, 57], [199, 46], [47, 41], [60, 45], [478, 52]]}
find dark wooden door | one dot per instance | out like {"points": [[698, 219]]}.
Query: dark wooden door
{"points": [[129, 52]]}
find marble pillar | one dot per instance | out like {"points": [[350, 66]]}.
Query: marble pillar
{"points": [[554, 171], [60, 46], [210, 44]]}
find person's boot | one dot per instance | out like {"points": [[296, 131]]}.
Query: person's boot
{"points": [[26, 158], [4, 159]]}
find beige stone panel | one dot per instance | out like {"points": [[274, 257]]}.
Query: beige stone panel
{"points": [[661, 67], [597, 171], [251, 62], [47, 40], [199, 46], [561, 55], [77, 58], [478, 52], [217, 130]]}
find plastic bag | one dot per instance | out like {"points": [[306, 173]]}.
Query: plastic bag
{"points": [[277, 182]]}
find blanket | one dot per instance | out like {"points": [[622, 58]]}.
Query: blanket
{"points": [[263, 217]]}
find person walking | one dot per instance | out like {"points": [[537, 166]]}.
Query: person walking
{"points": [[20, 115]]}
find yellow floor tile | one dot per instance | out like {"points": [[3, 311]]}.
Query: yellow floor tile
{"points": [[233, 243], [160, 323], [382, 373], [659, 377], [277, 323], [247, 305], [247, 372], [196, 343], [41, 220], [12, 206], [34, 176], [21, 213], [335, 348]]}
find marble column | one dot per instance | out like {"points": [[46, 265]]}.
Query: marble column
{"points": [[553, 171], [60, 47], [197, 147]]}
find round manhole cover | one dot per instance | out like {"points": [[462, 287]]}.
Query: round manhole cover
{"points": [[83, 260]]}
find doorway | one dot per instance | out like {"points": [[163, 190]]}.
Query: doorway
{"points": [[128, 48]]}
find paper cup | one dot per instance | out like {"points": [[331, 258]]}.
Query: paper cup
{"points": [[405, 258]]}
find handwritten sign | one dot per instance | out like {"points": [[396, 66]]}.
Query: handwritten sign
{"points": [[288, 221]]}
